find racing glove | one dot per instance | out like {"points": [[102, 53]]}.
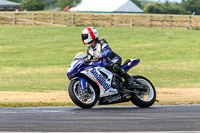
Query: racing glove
{"points": [[87, 61], [98, 58]]}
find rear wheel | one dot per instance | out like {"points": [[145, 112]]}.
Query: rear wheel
{"points": [[83, 98], [144, 99]]}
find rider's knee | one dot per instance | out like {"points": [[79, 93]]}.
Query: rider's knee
{"points": [[116, 68]]}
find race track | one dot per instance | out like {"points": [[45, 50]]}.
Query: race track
{"points": [[101, 118]]}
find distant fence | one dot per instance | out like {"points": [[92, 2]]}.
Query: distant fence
{"points": [[99, 19]]}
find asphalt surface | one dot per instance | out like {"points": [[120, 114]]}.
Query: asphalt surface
{"points": [[101, 119]]}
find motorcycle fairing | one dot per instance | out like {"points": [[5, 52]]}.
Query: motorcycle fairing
{"points": [[117, 98], [103, 78]]}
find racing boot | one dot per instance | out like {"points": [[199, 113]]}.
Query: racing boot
{"points": [[127, 78]]}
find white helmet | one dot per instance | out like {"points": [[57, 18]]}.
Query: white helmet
{"points": [[89, 34]]}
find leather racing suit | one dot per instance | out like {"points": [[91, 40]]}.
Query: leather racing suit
{"points": [[102, 49]]}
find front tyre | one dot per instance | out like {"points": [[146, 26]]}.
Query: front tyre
{"points": [[83, 98], [144, 99]]}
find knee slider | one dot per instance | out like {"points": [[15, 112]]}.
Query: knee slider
{"points": [[116, 67]]}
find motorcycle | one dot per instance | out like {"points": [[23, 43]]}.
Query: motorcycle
{"points": [[91, 83]]}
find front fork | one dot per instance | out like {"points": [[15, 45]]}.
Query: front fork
{"points": [[83, 82]]}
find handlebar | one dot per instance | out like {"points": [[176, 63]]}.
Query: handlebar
{"points": [[89, 61]]}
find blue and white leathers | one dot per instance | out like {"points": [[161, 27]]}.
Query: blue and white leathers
{"points": [[95, 72]]}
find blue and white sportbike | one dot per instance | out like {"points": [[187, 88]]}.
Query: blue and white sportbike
{"points": [[91, 83]]}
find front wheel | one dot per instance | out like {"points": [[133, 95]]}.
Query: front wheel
{"points": [[83, 98], [144, 99]]}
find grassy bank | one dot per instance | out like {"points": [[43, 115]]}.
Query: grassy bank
{"points": [[36, 58], [33, 104]]}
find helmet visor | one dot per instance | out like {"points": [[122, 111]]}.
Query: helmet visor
{"points": [[84, 36]]}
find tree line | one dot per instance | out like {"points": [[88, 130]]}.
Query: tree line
{"points": [[185, 7], [38, 5]]}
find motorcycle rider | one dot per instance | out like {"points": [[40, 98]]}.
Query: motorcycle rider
{"points": [[100, 49]]}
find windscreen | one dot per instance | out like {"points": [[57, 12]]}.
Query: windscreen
{"points": [[79, 55]]}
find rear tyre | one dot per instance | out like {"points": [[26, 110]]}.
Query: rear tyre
{"points": [[144, 99], [83, 98]]}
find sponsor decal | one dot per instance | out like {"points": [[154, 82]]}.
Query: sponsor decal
{"points": [[114, 98], [117, 98], [100, 79]]}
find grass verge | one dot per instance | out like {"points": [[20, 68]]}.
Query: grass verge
{"points": [[34, 104], [165, 96]]}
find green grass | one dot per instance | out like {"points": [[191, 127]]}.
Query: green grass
{"points": [[34, 104], [37, 58]]}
